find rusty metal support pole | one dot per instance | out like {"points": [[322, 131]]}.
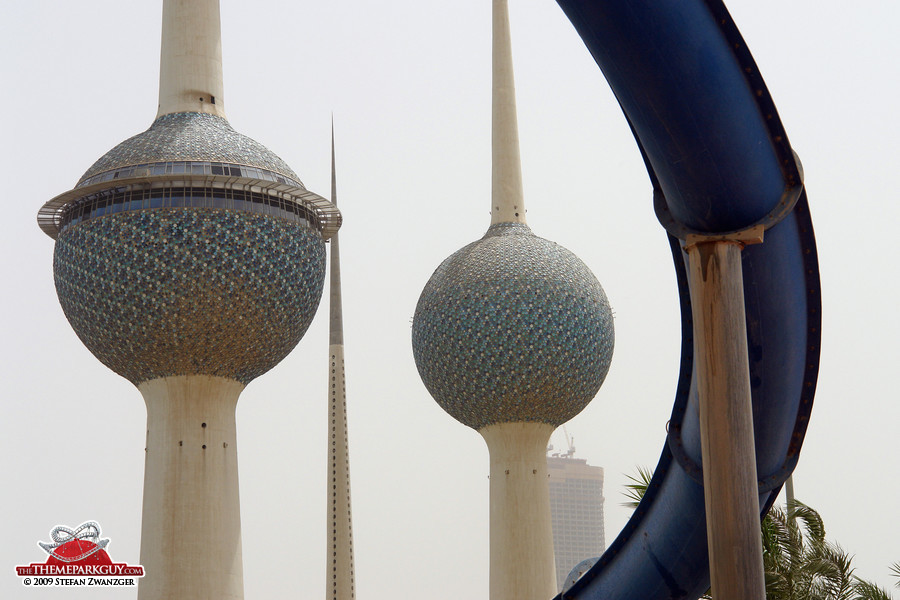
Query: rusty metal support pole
{"points": [[726, 419]]}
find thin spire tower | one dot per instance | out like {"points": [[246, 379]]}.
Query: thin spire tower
{"points": [[507, 198], [339, 558]]}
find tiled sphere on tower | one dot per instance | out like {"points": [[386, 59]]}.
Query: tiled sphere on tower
{"points": [[188, 250], [513, 328]]}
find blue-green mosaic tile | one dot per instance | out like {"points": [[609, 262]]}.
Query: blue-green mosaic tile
{"points": [[513, 328], [187, 291], [190, 136]]}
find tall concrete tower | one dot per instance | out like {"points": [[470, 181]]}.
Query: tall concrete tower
{"points": [[513, 336], [190, 260], [339, 557]]}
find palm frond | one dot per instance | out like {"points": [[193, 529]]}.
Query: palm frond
{"points": [[831, 566], [812, 521], [799, 563], [637, 487], [866, 590]]}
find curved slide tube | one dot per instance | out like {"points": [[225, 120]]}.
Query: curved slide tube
{"points": [[720, 162]]}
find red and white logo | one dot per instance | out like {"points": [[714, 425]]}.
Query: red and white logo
{"points": [[78, 557]]}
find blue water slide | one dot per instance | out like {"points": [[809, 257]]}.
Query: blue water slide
{"points": [[720, 162]]}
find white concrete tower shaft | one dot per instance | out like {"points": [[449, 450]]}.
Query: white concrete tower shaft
{"points": [[521, 553], [339, 572], [522, 565], [190, 70], [191, 529], [507, 199]]}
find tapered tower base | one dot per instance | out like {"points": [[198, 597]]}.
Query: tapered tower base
{"points": [[522, 565], [191, 531]]}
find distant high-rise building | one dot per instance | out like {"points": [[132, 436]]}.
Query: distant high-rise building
{"points": [[576, 509]]}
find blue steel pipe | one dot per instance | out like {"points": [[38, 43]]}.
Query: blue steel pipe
{"points": [[719, 161]]}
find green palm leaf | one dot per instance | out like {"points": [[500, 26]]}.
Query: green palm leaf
{"points": [[799, 563], [637, 487]]}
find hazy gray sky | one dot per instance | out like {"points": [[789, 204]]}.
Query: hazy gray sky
{"points": [[409, 85]]}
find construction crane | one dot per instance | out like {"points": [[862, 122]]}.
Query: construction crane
{"points": [[570, 443]]}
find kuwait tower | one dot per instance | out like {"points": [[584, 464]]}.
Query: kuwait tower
{"points": [[190, 260], [513, 336]]}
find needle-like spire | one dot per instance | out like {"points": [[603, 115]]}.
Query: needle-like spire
{"points": [[339, 571], [507, 200], [336, 329]]}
